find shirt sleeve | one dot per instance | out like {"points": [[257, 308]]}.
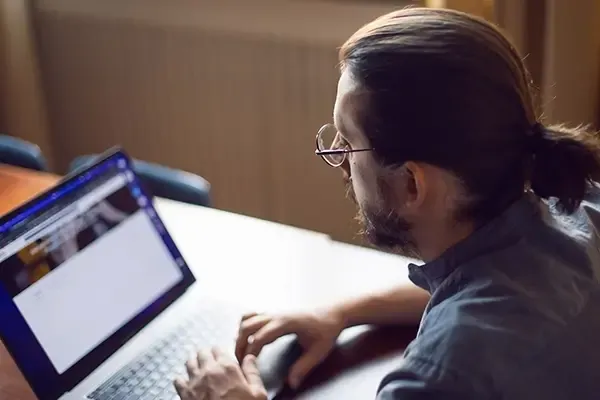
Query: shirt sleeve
{"points": [[419, 379]]}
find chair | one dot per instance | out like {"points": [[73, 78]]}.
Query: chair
{"points": [[162, 181], [21, 153]]}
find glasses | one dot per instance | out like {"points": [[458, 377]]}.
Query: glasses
{"points": [[332, 147]]}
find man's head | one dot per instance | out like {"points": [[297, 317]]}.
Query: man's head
{"points": [[443, 100]]}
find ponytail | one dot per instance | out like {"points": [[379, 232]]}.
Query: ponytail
{"points": [[566, 164]]}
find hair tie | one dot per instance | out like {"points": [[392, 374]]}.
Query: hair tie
{"points": [[537, 137]]}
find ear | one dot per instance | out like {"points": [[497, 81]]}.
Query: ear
{"points": [[405, 188], [416, 185]]}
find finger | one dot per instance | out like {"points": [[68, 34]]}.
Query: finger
{"points": [[248, 316], [247, 329], [220, 356], [266, 335], [180, 388], [307, 362], [250, 325], [251, 372], [192, 367], [203, 358]]}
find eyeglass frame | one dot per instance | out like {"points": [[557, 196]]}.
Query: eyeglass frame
{"points": [[325, 152]]}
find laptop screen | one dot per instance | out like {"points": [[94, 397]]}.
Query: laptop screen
{"points": [[79, 265]]}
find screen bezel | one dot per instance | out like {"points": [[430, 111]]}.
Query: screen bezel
{"points": [[46, 383]]}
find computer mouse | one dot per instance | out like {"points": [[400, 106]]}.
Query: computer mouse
{"points": [[274, 362]]}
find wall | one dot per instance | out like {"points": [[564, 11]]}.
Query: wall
{"points": [[571, 62], [560, 43], [22, 103], [234, 96]]}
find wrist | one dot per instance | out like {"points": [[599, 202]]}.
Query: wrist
{"points": [[341, 314]]}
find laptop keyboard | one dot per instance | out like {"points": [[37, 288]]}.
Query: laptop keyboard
{"points": [[150, 376]]}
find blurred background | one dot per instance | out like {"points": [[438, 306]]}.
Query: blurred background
{"points": [[235, 90]]}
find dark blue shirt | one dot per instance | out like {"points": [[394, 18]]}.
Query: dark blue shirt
{"points": [[514, 312]]}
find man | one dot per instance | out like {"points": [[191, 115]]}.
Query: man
{"points": [[438, 139]]}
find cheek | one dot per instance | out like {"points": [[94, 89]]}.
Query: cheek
{"points": [[364, 183]]}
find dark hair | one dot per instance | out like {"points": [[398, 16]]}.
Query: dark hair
{"points": [[447, 88]]}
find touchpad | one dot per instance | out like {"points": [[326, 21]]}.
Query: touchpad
{"points": [[275, 360]]}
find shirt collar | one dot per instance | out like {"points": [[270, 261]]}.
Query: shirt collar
{"points": [[504, 229]]}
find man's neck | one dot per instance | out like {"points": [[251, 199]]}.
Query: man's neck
{"points": [[433, 240]]}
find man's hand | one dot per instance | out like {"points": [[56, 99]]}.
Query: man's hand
{"points": [[216, 376], [317, 333]]}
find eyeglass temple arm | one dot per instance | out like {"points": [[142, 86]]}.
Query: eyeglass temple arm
{"points": [[339, 151]]}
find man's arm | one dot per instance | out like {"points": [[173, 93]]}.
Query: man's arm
{"points": [[401, 305], [318, 331]]}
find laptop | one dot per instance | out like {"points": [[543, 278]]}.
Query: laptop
{"points": [[96, 300]]}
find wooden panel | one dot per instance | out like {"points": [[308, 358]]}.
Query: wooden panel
{"points": [[511, 16], [571, 62], [23, 109], [236, 96], [524, 22], [481, 8]]}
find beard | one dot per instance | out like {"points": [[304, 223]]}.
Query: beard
{"points": [[384, 228]]}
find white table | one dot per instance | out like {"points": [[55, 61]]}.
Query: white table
{"points": [[273, 266]]}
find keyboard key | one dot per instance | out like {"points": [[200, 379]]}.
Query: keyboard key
{"points": [[167, 397], [125, 390], [134, 382], [145, 384], [163, 383], [137, 366], [163, 368], [154, 377]]}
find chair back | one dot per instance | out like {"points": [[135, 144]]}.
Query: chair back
{"points": [[162, 181], [21, 153]]}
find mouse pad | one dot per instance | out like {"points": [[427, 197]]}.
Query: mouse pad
{"points": [[275, 361]]}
